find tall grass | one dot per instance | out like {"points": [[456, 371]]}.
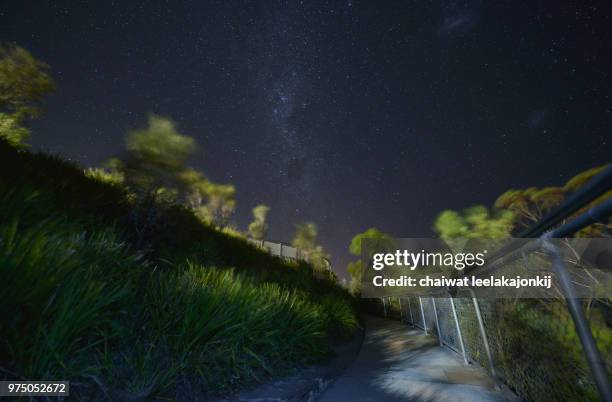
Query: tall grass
{"points": [[57, 301], [195, 311]]}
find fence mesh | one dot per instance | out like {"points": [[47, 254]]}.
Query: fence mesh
{"points": [[534, 346], [448, 330]]}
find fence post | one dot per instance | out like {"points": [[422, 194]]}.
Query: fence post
{"points": [[483, 334], [458, 327], [399, 300], [433, 302], [423, 316], [593, 356], [410, 310], [384, 306]]}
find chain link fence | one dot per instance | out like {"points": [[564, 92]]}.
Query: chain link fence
{"points": [[528, 345]]}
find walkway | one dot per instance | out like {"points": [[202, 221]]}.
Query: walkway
{"points": [[397, 363]]}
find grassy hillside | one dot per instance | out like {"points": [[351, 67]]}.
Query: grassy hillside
{"points": [[134, 301]]}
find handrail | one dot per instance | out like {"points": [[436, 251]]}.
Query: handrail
{"points": [[595, 188]]}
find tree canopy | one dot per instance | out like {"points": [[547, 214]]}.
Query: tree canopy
{"points": [[155, 165], [155, 156], [258, 229], [376, 240], [305, 239], [474, 222], [24, 81], [531, 204], [514, 210]]}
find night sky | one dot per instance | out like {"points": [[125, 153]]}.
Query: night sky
{"points": [[351, 114]]}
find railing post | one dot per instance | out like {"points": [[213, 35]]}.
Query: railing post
{"points": [[593, 356], [423, 316], [458, 327], [410, 310], [483, 334], [433, 302], [384, 306], [399, 300]]}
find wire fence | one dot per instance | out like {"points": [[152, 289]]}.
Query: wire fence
{"points": [[532, 344], [543, 349], [286, 251], [280, 249]]}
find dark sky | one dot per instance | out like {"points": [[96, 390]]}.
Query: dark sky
{"points": [[351, 114]]}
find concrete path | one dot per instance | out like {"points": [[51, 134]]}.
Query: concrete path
{"points": [[397, 363]]}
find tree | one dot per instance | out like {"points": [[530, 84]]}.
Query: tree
{"points": [[305, 236], [220, 203], [355, 270], [474, 222], [258, 229], [213, 203], [155, 156], [374, 239], [154, 167], [531, 204], [24, 81], [305, 239], [517, 209]]}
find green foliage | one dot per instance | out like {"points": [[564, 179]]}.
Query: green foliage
{"points": [[376, 240], [12, 129], [62, 287], [227, 329], [213, 203], [583, 178], [258, 229], [553, 349], [531, 204], [374, 237], [23, 83], [601, 228], [305, 238], [513, 209], [155, 156], [339, 316], [154, 168], [355, 270], [115, 178], [233, 231], [219, 204], [473, 223]]}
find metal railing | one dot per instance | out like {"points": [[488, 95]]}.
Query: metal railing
{"points": [[542, 349]]}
